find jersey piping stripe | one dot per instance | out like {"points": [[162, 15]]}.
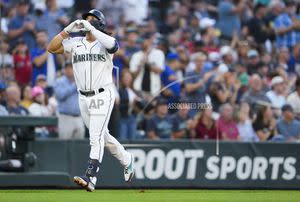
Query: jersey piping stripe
{"points": [[107, 115], [84, 79], [91, 62], [83, 43], [85, 70]]}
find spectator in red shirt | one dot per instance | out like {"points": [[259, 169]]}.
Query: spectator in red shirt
{"points": [[206, 126], [226, 125], [22, 63]]}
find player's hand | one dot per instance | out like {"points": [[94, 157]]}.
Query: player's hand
{"points": [[74, 27], [87, 25]]}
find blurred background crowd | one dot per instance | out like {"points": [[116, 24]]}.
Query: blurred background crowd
{"points": [[198, 69]]}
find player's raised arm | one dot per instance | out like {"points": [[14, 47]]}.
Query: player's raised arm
{"points": [[56, 46], [110, 43]]}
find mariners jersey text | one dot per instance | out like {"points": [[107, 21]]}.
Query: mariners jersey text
{"points": [[88, 57], [92, 64]]}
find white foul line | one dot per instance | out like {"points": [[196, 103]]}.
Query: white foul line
{"points": [[141, 145]]}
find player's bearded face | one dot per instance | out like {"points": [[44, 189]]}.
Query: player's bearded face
{"points": [[96, 24]]}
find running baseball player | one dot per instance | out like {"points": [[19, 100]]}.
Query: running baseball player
{"points": [[92, 63]]}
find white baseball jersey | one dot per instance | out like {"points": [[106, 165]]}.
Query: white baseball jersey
{"points": [[92, 63], [93, 66]]}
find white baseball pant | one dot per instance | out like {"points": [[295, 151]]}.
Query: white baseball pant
{"points": [[95, 111]]}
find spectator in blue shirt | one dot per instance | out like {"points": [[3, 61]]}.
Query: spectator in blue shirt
{"points": [[229, 20], [53, 19], [43, 62], [171, 85], [183, 122], [195, 83], [287, 26], [160, 124], [128, 48], [70, 124], [22, 26], [288, 126]]}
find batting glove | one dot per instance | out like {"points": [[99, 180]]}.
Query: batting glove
{"points": [[87, 25], [74, 27]]}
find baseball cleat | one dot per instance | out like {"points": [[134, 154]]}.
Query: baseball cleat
{"points": [[85, 183], [129, 170]]}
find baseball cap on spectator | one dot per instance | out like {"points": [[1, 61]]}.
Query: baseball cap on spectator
{"points": [[171, 12], [41, 77], [277, 80], [225, 50], [36, 90], [207, 22], [172, 56], [131, 30], [214, 58], [274, 3], [40, 6], [287, 107], [162, 41], [252, 53]]}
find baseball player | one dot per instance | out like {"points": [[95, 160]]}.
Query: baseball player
{"points": [[92, 63]]}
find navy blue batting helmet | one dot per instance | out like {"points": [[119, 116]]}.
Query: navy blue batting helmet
{"points": [[100, 24]]}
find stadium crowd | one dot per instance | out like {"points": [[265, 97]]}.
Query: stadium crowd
{"points": [[200, 69]]}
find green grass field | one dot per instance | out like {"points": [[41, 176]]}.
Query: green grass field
{"points": [[148, 196]]}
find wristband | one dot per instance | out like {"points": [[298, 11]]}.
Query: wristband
{"points": [[61, 34]]}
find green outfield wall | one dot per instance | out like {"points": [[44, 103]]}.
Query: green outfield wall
{"points": [[167, 164]]}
